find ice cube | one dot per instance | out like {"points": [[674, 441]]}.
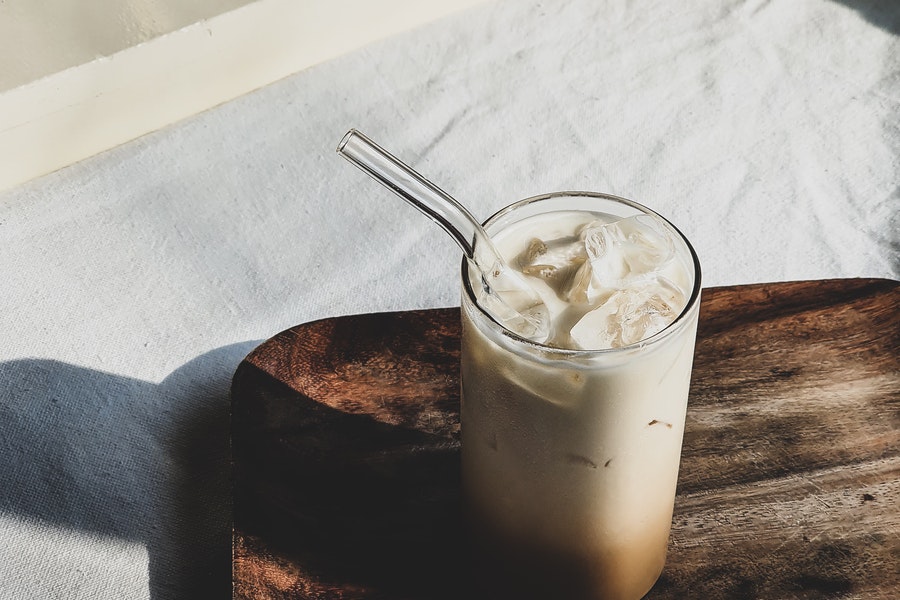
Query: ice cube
{"points": [[584, 288], [531, 322], [508, 297], [554, 261], [629, 315], [627, 250]]}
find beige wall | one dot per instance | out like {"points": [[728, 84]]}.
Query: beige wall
{"points": [[80, 76]]}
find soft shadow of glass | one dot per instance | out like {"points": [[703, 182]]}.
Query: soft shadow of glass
{"points": [[125, 458], [883, 14]]}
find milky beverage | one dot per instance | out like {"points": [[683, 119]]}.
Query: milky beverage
{"points": [[571, 444]]}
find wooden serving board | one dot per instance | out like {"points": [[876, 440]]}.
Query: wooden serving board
{"points": [[346, 475]]}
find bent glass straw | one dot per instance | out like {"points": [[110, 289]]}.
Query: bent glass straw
{"points": [[453, 217]]}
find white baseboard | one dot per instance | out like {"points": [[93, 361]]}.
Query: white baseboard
{"points": [[62, 117]]}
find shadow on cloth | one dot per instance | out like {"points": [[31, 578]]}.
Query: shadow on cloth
{"points": [[104, 454], [885, 15]]}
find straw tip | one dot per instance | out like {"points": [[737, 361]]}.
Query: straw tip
{"points": [[345, 139]]}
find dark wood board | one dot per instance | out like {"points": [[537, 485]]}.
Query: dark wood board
{"points": [[345, 451]]}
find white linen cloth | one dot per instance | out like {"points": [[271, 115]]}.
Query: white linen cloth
{"points": [[133, 283]]}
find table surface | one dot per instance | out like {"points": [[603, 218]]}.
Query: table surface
{"points": [[135, 282], [346, 466]]}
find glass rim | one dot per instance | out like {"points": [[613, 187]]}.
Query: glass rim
{"points": [[665, 333]]}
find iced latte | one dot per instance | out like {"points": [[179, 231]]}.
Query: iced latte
{"points": [[571, 437]]}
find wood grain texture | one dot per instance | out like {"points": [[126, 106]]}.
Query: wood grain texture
{"points": [[346, 475]]}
